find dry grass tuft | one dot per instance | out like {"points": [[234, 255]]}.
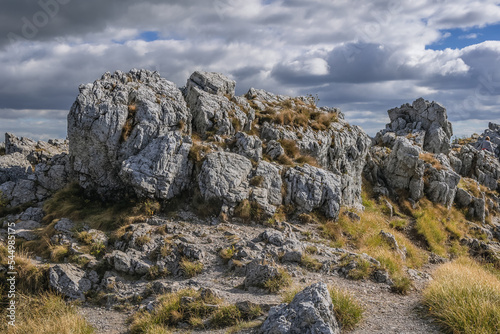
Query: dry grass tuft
{"points": [[46, 314], [464, 298], [431, 159]]}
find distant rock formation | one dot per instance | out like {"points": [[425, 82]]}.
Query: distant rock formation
{"points": [[413, 157]]}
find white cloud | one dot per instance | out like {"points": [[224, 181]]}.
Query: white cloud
{"points": [[365, 56]]}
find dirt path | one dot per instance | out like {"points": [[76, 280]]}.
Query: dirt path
{"points": [[386, 312], [105, 321]]}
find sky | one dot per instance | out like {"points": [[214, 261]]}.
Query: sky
{"points": [[364, 56]]}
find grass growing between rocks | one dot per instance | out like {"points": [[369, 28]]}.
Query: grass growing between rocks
{"points": [[72, 203], [45, 314], [278, 282], [363, 236], [464, 298], [348, 310], [197, 310]]}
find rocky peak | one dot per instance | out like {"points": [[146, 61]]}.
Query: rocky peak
{"points": [[425, 122]]}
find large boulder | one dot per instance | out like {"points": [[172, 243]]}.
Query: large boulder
{"points": [[310, 312], [69, 280], [208, 97], [54, 174], [310, 188], [162, 169], [404, 170], [224, 176], [114, 119]]}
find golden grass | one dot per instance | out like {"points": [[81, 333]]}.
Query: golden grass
{"points": [[464, 298], [46, 314], [278, 282], [431, 159], [189, 268], [439, 226]]}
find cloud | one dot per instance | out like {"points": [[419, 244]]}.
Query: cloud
{"points": [[364, 56]]}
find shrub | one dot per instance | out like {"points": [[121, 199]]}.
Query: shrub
{"points": [[310, 263], [225, 316], [84, 237], [290, 148], [348, 310], [464, 298], [402, 285], [142, 240], [257, 181], [190, 268], [97, 249], [431, 159], [276, 283], [58, 253]]}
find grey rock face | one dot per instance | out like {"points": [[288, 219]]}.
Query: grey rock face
{"points": [[162, 169], [36, 152], [258, 272], [267, 194], [442, 184], [312, 188], [54, 174], [421, 119], [22, 192], [14, 167], [224, 176], [117, 117], [481, 166], [207, 97], [310, 312], [211, 82], [404, 170], [248, 146], [69, 281]]}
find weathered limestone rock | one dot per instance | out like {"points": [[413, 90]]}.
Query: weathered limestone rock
{"points": [[35, 152], [117, 117], [267, 193], [310, 312], [13, 167], [422, 120], [248, 146], [69, 281], [224, 176], [404, 170], [54, 174], [22, 192], [258, 272], [478, 165], [312, 188], [162, 169], [207, 95]]}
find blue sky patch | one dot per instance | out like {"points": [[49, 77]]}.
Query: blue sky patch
{"points": [[460, 38], [149, 36]]}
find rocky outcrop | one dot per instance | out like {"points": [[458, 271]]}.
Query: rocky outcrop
{"points": [[310, 312], [493, 132], [69, 281], [478, 165], [425, 122], [13, 167], [310, 188], [224, 176], [118, 117], [35, 152], [208, 97]]}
